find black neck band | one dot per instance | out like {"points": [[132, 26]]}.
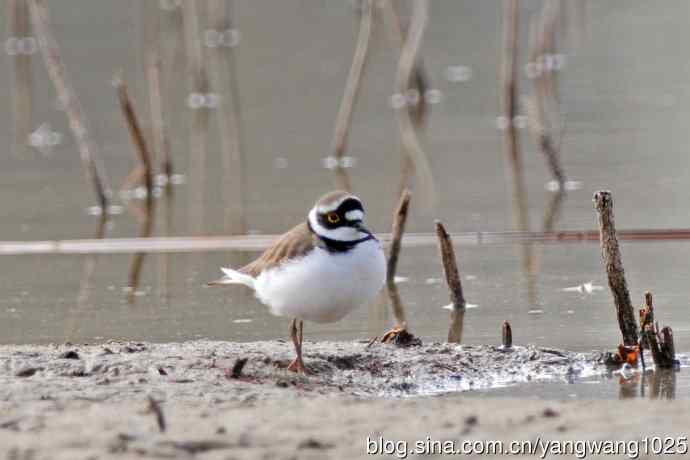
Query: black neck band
{"points": [[332, 245]]}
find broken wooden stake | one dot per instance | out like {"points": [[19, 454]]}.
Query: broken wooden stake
{"points": [[660, 343], [450, 269], [506, 335], [236, 370], [611, 256]]}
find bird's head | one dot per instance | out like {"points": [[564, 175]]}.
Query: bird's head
{"points": [[338, 216]]}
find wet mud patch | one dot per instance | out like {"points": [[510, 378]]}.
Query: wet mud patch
{"points": [[226, 371]]}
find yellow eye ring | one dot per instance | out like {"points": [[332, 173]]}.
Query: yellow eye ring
{"points": [[333, 218]]}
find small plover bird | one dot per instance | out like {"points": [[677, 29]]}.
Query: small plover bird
{"points": [[318, 271]]}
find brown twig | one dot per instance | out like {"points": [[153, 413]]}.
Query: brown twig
{"points": [[611, 256], [410, 141], [144, 156], [399, 219], [450, 270], [349, 99], [68, 98]]}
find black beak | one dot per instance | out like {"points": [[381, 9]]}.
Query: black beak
{"points": [[359, 225]]}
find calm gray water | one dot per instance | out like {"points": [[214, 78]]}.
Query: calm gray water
{"points": [[626, 106]]}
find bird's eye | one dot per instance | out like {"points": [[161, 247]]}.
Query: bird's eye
{"points": [[333, 218]]}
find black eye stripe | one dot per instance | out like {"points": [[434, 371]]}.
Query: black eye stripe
{"points": [[350, 204]]}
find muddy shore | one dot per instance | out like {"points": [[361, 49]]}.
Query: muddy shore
{"points": [[93, 401]]}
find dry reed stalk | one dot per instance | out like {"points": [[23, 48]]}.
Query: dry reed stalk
{"points": [[511, 139], [146, 225], [410, 141], [419, 82], [19, 28], [509, 102], [224, 81], [399, 219], [611, 256], [161, 143], [452, 275], [197, 84], [541, 45], [162, 147], [68, 98], [349, 99]]}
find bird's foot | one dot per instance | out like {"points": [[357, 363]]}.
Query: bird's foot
{"points": [[297, 365]]}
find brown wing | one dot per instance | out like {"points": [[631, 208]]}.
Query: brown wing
{"points": [[296, 242]]}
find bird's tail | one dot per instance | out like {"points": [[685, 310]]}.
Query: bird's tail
{"points": [[233, 277]]}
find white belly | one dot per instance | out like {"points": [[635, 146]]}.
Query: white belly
{"points": [[322, 286]]}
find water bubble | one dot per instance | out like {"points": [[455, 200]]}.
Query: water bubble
{"points": [[280, 163], [27, 46], [203, 100], [431, 281], [348, 162], [115, 210], [161, 180], [559, 61], [433, 96], [15, 46], [195, 101], [212, 38], [242, 321], [230, 38], [169, 5], [178, 179], [570, 185], [520, 121], [44, 138], [11, 46], [211, 100], [140, 193], [53, 138], [400, 279], [157, 192], [502, 122], [329, 162], [458, 73], [398, 101], [93, 210], [412, 97], [533, 70]]}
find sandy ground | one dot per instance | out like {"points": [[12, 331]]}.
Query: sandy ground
{"points": [[92, 402]]}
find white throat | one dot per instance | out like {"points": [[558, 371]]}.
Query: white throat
{"points": [[337, 234]]}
